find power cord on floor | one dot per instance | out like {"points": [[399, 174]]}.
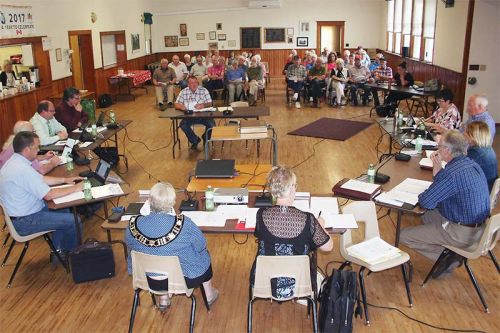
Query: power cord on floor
{"points": [[145, 145], [423, 322], [310, 156]]}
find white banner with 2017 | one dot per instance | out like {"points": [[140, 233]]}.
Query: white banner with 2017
{"points": [[16, 21]]}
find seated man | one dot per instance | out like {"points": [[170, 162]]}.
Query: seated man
{"points": [[216, 75], [358, 77], [46, 126], [457, 204], [164, 79], [364, 57], [186, 242], [194, 98], [289, 61], [255, 81], [316, 78], [199, 70], [42, 163], [235, 80], [181, 71], [382, 73], [70, 112], [339, 76], [296, 74], [477, 108], [23, 191], [376, 62], [242, 63], [261, 64], [187, 61]]}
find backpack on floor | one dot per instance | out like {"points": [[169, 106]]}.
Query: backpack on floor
{"points": [[337, 297], [105, 101]]}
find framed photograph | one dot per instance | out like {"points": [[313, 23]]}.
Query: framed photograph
{"points": [[290, 40], [136, 43], [171, 41], [212, 35], [304, 28], [213, 46], [289, 31], [219, 26], [58, 55], [303, 41], [184, 41], [221, 37], [200, 36], [183, 29], [231, 43], [274, 35]]}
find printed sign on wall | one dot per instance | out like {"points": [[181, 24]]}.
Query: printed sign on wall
{"points": [[16, 21]]}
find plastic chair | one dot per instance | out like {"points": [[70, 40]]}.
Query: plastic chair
{"points": [[365, 212], [170, 267], [269, 267], [26, 240], [486, 243], [494, 194]]}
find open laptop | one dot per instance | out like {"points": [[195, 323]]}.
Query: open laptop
{"points": [[99, 176], [214, 169], [67, 151]]}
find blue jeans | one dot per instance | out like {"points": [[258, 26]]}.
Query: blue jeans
{"points": [[296, 86], [353, 87], [186, 124], [182, 84], [61, 221]]}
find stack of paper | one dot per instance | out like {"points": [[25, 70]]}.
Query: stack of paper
{"points": [[426, 163], [206, 219], [373, 251], [356, 185], [339, 221], [68, 198], [407, 191], [106, 191]]}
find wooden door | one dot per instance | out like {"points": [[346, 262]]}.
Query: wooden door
{"points": [[76, 64], [82, 59]]}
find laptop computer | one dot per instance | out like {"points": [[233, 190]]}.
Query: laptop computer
{"points": [[67, 151], [214, 169], [99, 176]]}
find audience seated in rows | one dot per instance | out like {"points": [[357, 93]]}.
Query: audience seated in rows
{"points": [[216, 75], [187, 62], [199, 70], [339, 77], [296, 74], [316, 79]]}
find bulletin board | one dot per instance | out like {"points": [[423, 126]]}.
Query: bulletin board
{"points": [[250, 38], [274, 35]]}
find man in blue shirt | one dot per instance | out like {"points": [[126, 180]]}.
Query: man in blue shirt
{"points": [[457, 204], [23, 191], [477, 108]]}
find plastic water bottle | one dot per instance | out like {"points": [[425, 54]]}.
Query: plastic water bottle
{"points": [[418, 144], [69, 163], [94, 131], [87, 190], [400, 118], [371, 174], [112, 117], [209, 199]]}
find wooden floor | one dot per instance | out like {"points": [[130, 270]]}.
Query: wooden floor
{"points": [[43, 298]]}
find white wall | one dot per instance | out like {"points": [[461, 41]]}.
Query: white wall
{"points": [[485, 50]]}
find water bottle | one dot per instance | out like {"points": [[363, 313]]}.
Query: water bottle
{"points": [[87, 190], [112, 117], [400, 118], [94, 131], [209, 199], [69, 163], [371, 174], [418, 144]]}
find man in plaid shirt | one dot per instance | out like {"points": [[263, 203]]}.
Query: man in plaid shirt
{"points": [[296, 74], [382, 73], [194, 98]]}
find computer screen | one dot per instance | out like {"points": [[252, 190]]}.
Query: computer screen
{"points": [[102, 169]]}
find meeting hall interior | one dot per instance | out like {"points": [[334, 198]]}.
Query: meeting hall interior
{"points": [[245, 140]]}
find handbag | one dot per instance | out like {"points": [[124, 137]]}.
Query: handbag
{"points": [[91, 261], [432, 85]]}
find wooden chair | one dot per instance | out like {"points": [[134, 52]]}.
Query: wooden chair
{"points": [[269, 267], [26, 240], [486, 243], [364, 211], [170, 267]]}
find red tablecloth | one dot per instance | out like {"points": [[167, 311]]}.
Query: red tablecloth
{"points": [[138, 76]]}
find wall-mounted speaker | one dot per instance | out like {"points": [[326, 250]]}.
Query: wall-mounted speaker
{"points": [[449, 3], [405, 52]]}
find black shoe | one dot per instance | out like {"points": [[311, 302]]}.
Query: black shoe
{"points": [[204, 138], [170, 104], [194, 146], [162, 106], [447, 265], [364, 103]]}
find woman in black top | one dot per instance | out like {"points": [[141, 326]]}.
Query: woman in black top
{"points": [[403, 79], [8, 76], [285, 230]]}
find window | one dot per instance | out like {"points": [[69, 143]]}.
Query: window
{"points": [[412, 23], [113, 50]]}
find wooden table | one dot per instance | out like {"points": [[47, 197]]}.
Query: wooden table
{"points": [[247, 112], [56, 99], [232, 133], [250, 176], [131, 79]]}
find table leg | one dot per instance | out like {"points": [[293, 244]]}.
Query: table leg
{"points": [[78, 230], [398, 227], [175, 137]]}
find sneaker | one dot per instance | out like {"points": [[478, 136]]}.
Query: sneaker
{"points": [[295, 96], [214, 298], [163, 303], [311, 99], [170, 104], [297, 105], [447, 265]]}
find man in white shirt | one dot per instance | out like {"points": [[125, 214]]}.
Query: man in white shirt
{"points": [[46, 126], [180, 71], [359, 75]]}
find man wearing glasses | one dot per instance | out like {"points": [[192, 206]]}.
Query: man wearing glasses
{"points": [[46, 126], [457, 204], [69, 112]]}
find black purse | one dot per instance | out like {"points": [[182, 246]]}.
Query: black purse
{"points": [[92, 261]]}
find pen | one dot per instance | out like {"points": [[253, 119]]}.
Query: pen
{"points": [[319, 215]]}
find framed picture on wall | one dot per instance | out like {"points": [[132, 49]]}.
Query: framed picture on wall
{"points": [[289, 31], [221, 37], [200, 36], [219, 26], [183, 29], [212, 35], [290, 39], [184, 41], [304, 28], [213, 46], [171, 41], [58, 55], [303, 41], [136, 43]]}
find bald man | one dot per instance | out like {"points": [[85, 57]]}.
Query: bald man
{"points": [[164, 79], [181, 71], [477, 108], [46, 126]]}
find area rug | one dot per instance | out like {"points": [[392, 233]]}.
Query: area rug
{"points": [[333, 129]]}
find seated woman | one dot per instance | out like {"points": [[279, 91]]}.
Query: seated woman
{"points": [[403, 79], [446, 117], [236, 77], [255, 81], [215, 75], [480, 150], [285, 230], [188, 243]]}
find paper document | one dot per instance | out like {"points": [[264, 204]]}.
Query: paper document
{"points": [[143, 193], [232, 211], [210, 109], [301, 204], [85, 144], [324, 205], [408, 190], [60, 143], [426, 142], [356, 185], [339, 221], [374, 251], [428, 153], [106, 191], [302, 195], [224, 108], [206, 219], [387, 199], [68, 198], [427, 163], [251, 218]]}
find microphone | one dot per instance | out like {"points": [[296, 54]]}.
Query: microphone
{"points": [[381, 178], [112, 122]]}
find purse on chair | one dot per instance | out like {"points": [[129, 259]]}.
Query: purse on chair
{"points": [[93, 260]]}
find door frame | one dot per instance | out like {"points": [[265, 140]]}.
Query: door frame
{"points": [[88, 71], [339, 24]]}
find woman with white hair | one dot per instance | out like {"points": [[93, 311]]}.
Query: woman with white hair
{"points": [[338, 78], [255, 80], [163, 234], [285, 230]]}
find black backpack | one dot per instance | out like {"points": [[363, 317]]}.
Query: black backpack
{"points": [[386, 110], [337, 297], [105, 101]]}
